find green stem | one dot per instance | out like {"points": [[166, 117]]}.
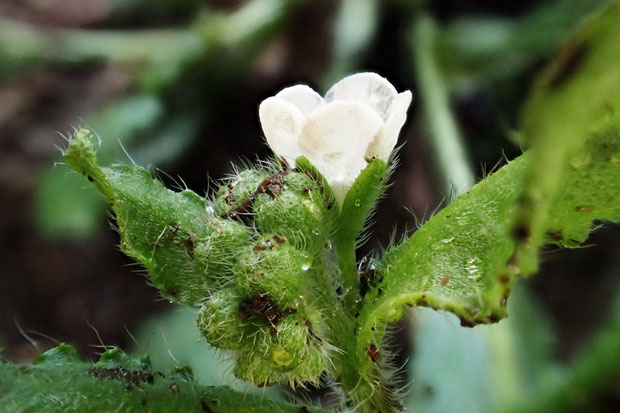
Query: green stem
{"points": [[444, 133]]}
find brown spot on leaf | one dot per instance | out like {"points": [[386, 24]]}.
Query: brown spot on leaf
{"points": [[521, 232], [555, 235], [132, 378], [373, 353]]}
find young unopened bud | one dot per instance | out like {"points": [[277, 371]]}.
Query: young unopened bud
{"points": [[290, 355], [218, 253], [275, 269], [300, 212], [219, 320], [238, 190]]}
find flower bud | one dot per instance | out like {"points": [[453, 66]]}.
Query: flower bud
{"points": [[218, 253], [300, 212], [219, 320], [239, 189], [289, 355], [275, 269]]}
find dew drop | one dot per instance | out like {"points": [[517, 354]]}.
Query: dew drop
{"points": [[447, 240], [305, 267], [316, 231], [357, 202], [473, 268]]}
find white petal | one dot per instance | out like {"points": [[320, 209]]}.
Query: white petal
{"points": [[369, 88], [282, 124], [303, 97], [386, 140], [335, 139]]}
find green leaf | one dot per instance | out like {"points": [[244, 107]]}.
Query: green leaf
{"points": [[63, 205], [576, 100], [183, 246], [463, 259], [60, 382]]}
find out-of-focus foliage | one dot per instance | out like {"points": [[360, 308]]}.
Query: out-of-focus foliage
{"points": [[149, 130], [60, 382]]}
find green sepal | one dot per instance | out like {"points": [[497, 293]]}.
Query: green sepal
{"points": [[302, 164], [219, 321], [237, 189], [361, 200], [291, 355]]}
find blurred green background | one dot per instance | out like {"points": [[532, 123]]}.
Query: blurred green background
{"points": [[175, 85]]}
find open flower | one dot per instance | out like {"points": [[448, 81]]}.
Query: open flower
{"points": [[359, 119]]}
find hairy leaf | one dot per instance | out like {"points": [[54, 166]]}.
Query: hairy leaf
{"points": [[60, 382], [576, 100], [463, 260], [183, 246]]}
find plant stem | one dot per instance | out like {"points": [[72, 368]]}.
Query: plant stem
{"points": [[444, 133]]}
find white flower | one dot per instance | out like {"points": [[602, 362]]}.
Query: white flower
{"points": [[359, 119]]}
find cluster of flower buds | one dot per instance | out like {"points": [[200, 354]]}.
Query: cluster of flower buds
{"points": [[268, 313], [265, 312]]}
